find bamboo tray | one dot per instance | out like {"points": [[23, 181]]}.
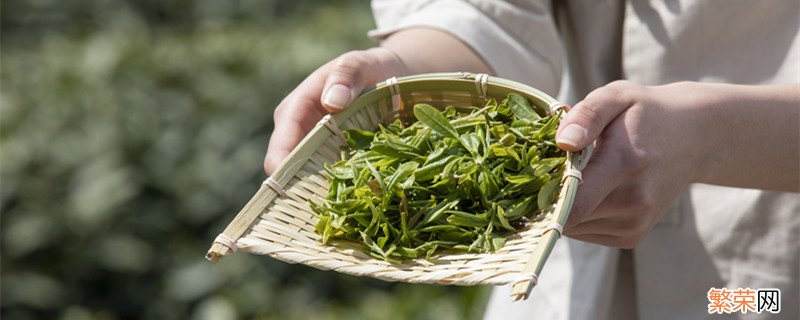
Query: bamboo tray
{"points": [[278, 221]]}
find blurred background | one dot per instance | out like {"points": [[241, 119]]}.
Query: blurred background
{"points": [[131, 132]]}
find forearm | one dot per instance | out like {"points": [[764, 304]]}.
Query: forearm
{"points": [[750, 136], [424, 50]]}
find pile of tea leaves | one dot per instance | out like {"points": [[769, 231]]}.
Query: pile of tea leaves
{"points": [[458, 180]]}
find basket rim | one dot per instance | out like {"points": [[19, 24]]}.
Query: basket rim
{"points": [[381, 89]]}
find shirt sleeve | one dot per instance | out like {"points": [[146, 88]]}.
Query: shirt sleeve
{"points": [[518, 39]]}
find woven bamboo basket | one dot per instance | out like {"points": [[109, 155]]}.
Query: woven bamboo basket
{"points": [[278, 221]]}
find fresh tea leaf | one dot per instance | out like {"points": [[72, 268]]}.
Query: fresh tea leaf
{"points": [[435, 120], [458, 179], [521, 108], [358, 139]]}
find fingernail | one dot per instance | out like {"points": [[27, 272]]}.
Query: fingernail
{"points": [[571, 135], [337, 96]]}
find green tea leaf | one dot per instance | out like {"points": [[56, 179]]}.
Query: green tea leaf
{"points": [[498, 242], [429, 170], [435, 120], [358, 139], [520, 179], [458, 179], [403, 171], [521, 108], [460, 218], [547, 194], [501, 216], [436, 212]]}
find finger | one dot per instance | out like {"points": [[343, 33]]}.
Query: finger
{"points": [[286, 137], [608, 240], [629, 225], [318, 94], [352, 72], [626, 198], [584, 123], [599, 179], [294, 117]]}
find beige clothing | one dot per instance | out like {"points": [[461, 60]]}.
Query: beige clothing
{"points": [[713, 236]]}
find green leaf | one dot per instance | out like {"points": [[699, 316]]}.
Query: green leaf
{"points": [[497, 242], [521, 178], [439, 228], [471, 142], [547, 194], [340, 170], [403, 171], [435, 120], [521, 108], [508, 140], [488, 183], [371, 244], [428, 171], [358, 139], [438, 211], [544, 166], [461, 179], [460, 218], [501, 216], [549, 128]]}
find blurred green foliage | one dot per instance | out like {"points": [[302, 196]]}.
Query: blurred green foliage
{"points": [[130, 134]]}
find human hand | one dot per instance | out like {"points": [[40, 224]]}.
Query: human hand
{"points": [[646, 155], [333, 86], [328, 89]]}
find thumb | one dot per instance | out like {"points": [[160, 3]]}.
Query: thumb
{"points": [[352, 72], [584, 123]]}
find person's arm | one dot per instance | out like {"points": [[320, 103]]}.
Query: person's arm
{"points": [[654, 141], [429, 50], [334, 85], [751, 136]]}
